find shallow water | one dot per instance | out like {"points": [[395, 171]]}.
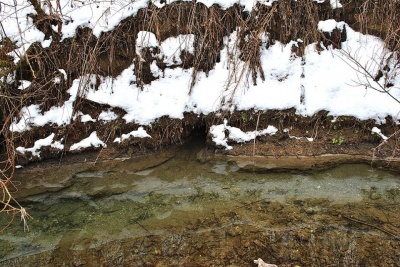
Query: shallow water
{"points": [[183, 213]]}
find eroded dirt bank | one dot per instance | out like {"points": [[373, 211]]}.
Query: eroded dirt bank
{"points": [[300, 143], [112, 52]]}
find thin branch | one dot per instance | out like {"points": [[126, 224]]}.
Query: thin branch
{"points": [[395, 236]]}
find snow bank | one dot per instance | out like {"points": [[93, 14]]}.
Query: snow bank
{"points": [[139, 133], [107, 115], [100, 16], [91, 141], [324, 80], [379, 132], [35, 150], [222, 133]]}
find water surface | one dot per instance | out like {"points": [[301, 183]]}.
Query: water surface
{"points": [[184, 213]]}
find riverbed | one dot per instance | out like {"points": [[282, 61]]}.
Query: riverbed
{"points": [[172, 210]]}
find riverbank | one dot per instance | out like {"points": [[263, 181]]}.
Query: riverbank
{"points": [[153, 79], [272, 135], [30, 177]]}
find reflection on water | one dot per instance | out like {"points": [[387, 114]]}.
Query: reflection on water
{"points": [[183, 213]]}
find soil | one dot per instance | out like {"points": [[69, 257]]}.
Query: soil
{"points": [[334, 141], [117, 50]]}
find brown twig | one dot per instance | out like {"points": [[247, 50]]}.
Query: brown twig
{"points": [[395, 236]]}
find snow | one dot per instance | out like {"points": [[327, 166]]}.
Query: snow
{"points": [[58, 145], [328, 83], [219, 137], [107, 115], [47, 43], [62, 71], [60, 115], [86, 117], [91, 141], [334, 3], [139, 133], [100, 16], [172, 47], [35, 150], [280, 90], [329, 25], [379, 132], [24, 84], [322, 80], [145, 39], [287, 130]]}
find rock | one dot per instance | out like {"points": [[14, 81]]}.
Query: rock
{"points": [[157, 252], [375, 196], [261, 263], [234, 231], [204, 155]]}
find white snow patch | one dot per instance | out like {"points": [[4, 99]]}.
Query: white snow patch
{"points": [[91, 141], [287, 130], [139, 133], [108, 115], [145, 39], [379, 132], [57, 80], [58, 145], [24, 84], [86, 117], [218, 135], [235, 134], [47, 43], [334, 3], [64, 73], [155, 70], [172, 47], [329, 25], [60, 115], [35, 150], [324, 80]]}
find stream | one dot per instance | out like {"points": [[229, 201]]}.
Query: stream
{"points": [[186, 213]]}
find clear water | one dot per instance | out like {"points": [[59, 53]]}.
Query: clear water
{"points": [[183, 213]]}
